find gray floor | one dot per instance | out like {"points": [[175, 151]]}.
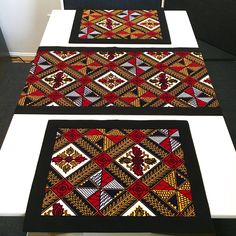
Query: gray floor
{"points": [[212, 53], [12, 79], [224, 80], [221, 66]]}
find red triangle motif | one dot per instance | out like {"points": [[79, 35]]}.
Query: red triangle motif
{"points": [[95, 199], [129, 99], [94, 132], [186, 193], [200, 103], [115, 138], [133, 61], [86, 102], [166, 144], [95, 15], [194, 65], [172, 131], [78, 67], [162, 185], [90, 30], [138, 34], [190, 91], [38, 69], [148, 95], [182, 54], [139, 71], [36, 93], [177, 68], [80, 90], [126, 18], [106, 178], [94, 63], [84, 36], [123, 33]]}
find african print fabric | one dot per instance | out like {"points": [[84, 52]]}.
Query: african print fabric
{"points": [[114, 169], [118, 80], [117, 26]]}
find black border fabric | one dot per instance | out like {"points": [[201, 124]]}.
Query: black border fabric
{"points": [[120, 110], [107, 49], [34, 222], [74, 4], [163, 24], [117, 110]]}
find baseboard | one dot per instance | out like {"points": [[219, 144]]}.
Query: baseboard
{"points": [[22, 57], [22, 54]]}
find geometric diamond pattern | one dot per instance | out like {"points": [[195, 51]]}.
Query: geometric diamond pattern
{"points": [[62, 188], [163, 81], [117, 172], [68, 159], [63, 56], [159, 56], [128, 15], [108, 24], [137, 161], [111, 81], [111, 56], [167, 139], [135, 66], [59, 208], [40, 65], [138, 209], [100, 189], [174, 189], [207, 81], [83, 96], [186, 66], [195, 97], [120, 24], [58, 80], [118, 78], [149, 24]]}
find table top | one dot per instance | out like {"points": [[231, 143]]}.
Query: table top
{"points": [[214, 148]]}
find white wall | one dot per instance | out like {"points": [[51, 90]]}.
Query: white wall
{"points": [[23, 23]]}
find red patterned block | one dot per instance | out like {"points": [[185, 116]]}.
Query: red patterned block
{"points": [[62, 188], [103, 159], [111, 97], [72, 135], [173, 161], [138, 189], [54, 96], [137, 136]]}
